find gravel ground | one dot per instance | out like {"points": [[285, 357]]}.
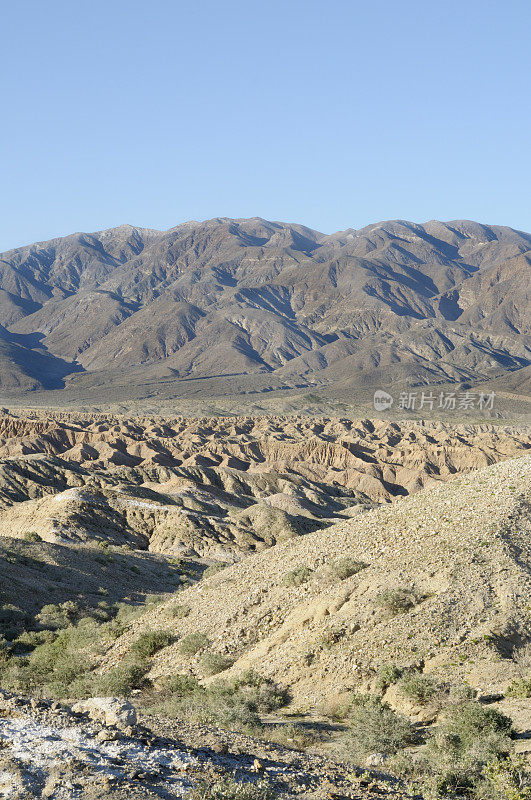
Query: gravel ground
{"points": [[47, 751]]}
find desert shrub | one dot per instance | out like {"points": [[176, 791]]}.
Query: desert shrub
{"points": [[193, 643], [336, 708], [458, 693], [346, 567], [234, 705], [461, 746], [180, 685], [505, 779], [387, 675], [419, 687], [54, 617], [12, 621], [330, 636], [215, 705], [375, 727], [520, 688], [121, 680], [213, 663], [289, 735], [229, 789], [179, 611], [61, 662], [52, 667], [262, 693], [150, 642], [29, 640], [32, 536], [396, 601], [213, 569], [298, 576], [5, 652]]}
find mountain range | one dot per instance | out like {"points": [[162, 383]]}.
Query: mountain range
{"points": [[276, 305]]}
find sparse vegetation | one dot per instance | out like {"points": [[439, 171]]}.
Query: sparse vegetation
{"points": [[150, 642], [519, 688], [179, 611], [57, 659], [298, 576], [191, 645], [396, 601], [289, 735], [213, 569], [230, 789], [346, 567], [32, 536], [387, 675], [452, 764], [213, 663], [121, 680], [180, 685], [234, 704], [505, 779], [374, 727], [419, 687]]}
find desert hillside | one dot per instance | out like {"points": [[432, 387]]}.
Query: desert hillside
{"points": [[281, 606], [455, 557]]}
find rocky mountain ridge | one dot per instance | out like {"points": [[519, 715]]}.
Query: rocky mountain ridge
{"points": [[283, 304]]}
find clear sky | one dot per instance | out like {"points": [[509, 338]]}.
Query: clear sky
{"points": [[335, 113]]}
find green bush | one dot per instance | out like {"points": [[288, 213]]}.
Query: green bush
{"points": [[32, 536], [387, 675], [121, 680], [179, 611], [261, 693], [215, 705], [374, 727], [298, 576], [396, 601], [193, 643], [151, 642], [519, 688], [505, 779], [213, 663], [346, 567], [213, 569], [54, 617], [461, 746], [289, 735], [180, 685], [61, 662], [12, 621], [29, 640], [234, 705], [419, 687], [229, 789]]}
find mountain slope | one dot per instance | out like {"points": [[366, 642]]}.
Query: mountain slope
{"points": [[435, 302], [459, 551]]}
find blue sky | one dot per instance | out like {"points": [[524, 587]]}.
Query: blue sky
{"points": [[334, 114]]}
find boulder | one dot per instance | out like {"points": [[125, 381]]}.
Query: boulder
{"points": [[108, 710]]}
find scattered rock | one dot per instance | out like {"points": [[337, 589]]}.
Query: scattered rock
{"points": [[108, 710]]}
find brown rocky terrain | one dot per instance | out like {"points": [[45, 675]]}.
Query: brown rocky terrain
{"points": [[347, 546], [217, 488], [459, 553], [250, 306], [52, 751]]}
